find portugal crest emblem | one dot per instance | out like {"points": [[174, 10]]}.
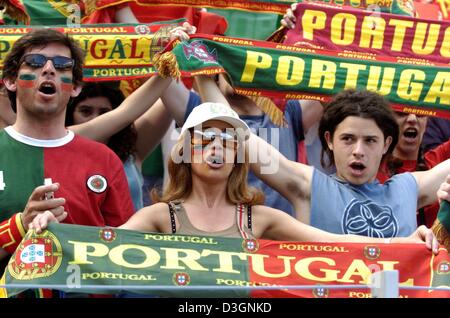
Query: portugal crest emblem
{"points": [[107, 235], [199, 51], [160, 39], [97, 183], [142, 29], [372, 252], [181, 279], [250, 245], [38, 256], [443, 267], [320, 292]]}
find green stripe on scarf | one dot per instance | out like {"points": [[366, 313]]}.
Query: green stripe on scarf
{"points": [[267, 69], [76, 257], [444, 215]]}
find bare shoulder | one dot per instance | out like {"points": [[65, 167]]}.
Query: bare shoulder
{"points": [[157, 211], [155, 208], [153, 218], [262, 211]]}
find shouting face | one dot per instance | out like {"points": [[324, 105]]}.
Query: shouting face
{"points": [[358, 145], [44, 83]]}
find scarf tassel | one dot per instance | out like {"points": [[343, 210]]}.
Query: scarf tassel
{"points": [[441, 234], [167, 65]]}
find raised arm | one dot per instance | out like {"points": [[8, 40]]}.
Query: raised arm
{"points": [[429, 181], [291, 179], [209, 91], [312, 111], [275, 225], [151, 128], [104, 126], [175, 99]]}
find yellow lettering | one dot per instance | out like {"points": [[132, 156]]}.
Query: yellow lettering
{"points": [[312, 20], [419, 45], [325, 70], [372, 32], [343, 26], [351, 80], [400, 27], [359, 268], [389, 266], [225, 260], [151, 256], [290, 70], [80, 251], [373, 80], [445, 48], [407, 89], [439, 89], [259, 268], [190, 258], [302, 268], [255, 60]]}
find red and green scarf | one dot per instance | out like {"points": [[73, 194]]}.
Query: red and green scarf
{"points": [[258, 68], [112, 52], [76, 257]]}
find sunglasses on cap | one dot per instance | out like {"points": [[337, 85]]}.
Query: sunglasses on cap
{"points": [[204, 138], [38, 60]]}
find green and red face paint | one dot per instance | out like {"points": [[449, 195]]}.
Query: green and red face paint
{"points": [[28, 80]]}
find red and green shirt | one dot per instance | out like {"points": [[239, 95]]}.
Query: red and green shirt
{"points": [[91, 177]]}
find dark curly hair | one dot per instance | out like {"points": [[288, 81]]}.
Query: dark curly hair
{"points": [[123, 143], [41, 38], [363, 104]]}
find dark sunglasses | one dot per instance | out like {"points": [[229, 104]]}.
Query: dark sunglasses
{"points": [[204, 138], [38, 60]]}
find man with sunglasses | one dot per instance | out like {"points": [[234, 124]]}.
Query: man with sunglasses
{"points": [[42, 72]]}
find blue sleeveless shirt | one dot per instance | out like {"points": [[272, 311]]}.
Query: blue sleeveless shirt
{"points": [[371, 209]]}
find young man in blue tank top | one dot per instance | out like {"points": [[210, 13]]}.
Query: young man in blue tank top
{"points": [[357, 131]]}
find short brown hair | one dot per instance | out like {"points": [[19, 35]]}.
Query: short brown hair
{"points": [[363, 104], [41, 38]]}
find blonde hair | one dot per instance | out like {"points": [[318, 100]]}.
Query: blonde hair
{"points": [[179, 186]]}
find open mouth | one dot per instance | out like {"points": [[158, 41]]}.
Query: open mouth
{"points": [[47, 88], [215, 161], [410, 133], [357, 167]]}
